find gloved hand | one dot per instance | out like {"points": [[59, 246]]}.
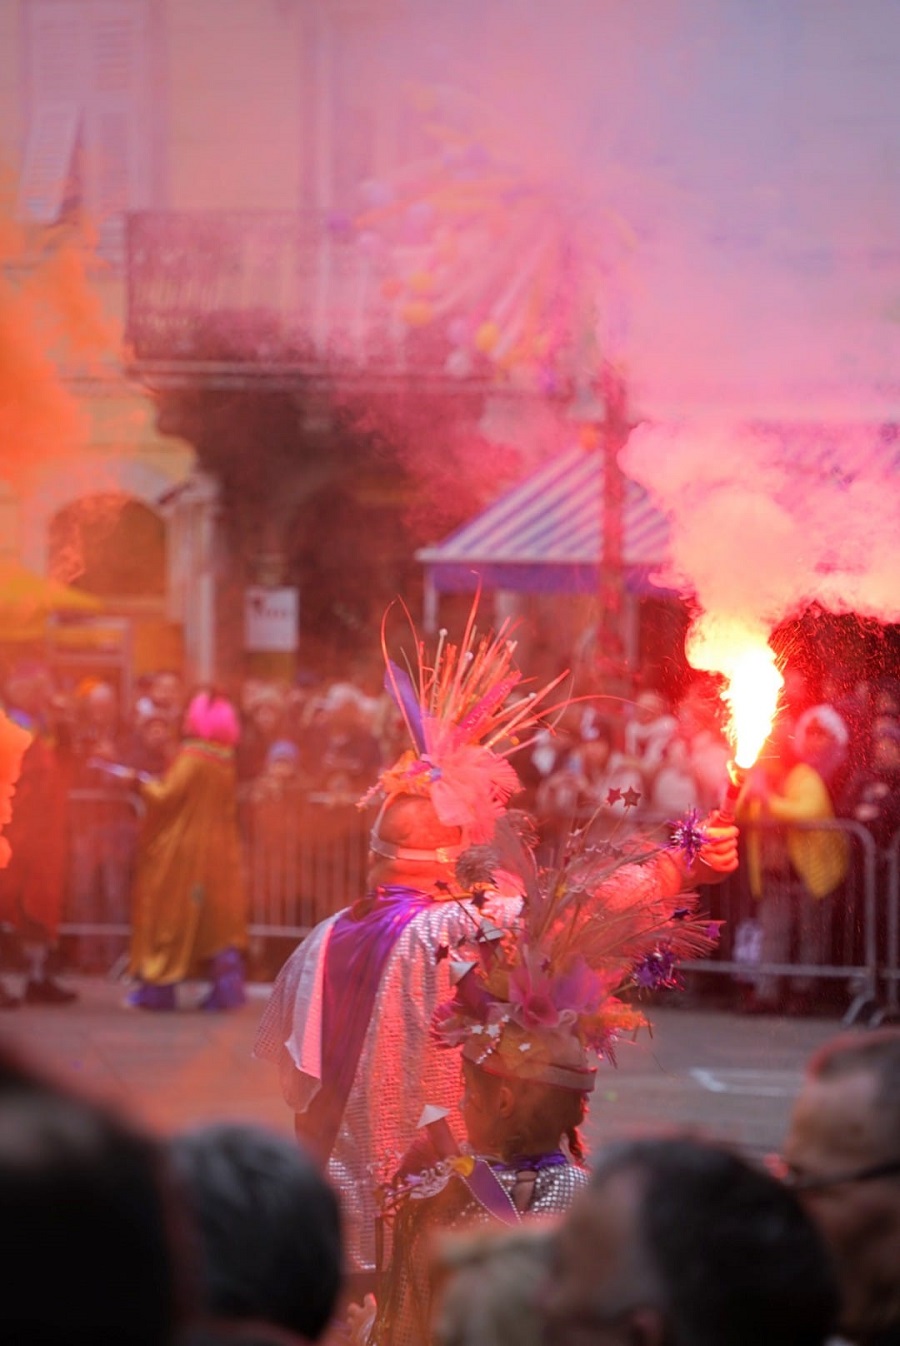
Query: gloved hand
{"points": [[718, 856]]}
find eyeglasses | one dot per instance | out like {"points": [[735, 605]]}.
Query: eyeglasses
{"points": [[800, 1182]]}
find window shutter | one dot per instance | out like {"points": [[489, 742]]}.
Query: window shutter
{"points": [[48, 162], [54, 74], [116, 117]]}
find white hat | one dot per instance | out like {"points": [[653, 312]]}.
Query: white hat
{"points": [[827, 719]]}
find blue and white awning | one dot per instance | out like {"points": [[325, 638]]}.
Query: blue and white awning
{"points": [[545, 535]]}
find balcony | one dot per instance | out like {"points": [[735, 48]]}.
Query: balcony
{"points": [[233, 297]]}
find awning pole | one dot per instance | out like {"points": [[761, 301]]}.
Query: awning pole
{"points": [[430, 601]]}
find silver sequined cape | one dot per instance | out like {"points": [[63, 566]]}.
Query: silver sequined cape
{"points": [[400, 1068]]}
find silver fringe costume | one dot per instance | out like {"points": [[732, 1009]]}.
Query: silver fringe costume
{"points": [[403, 1316], [400, 1068]]}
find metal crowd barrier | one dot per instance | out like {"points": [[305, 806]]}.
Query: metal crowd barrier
{"points": [[305, 857], [856, 954], [103, 826], [891, 970]]}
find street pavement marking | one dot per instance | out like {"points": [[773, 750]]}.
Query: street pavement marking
{"points": [[756, 1083]]}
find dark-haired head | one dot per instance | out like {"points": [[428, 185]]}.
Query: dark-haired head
{"points": [[691, 1245], [93, 1249], [268, 1225]]}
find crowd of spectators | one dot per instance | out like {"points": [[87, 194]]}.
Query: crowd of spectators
{"points": [[230, 1232], [325, 742]]}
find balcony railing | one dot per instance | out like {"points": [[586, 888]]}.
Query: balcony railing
{"points": [[273, 291]]}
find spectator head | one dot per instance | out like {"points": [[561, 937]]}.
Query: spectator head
{"points": [[886, 700], [29, 687], [94, 1251], [268, 1224], [821, 724], [595, 754], [282, 759], [213, 718], [167, 692], [678, 1241], [154, 727], [265, 707], [886, 745], [845, 1124], [487, 1287], [795, 691], [649, 705], [99, 703]]}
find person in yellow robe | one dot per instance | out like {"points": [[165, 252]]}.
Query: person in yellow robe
{"points": [[189, 915], [796, 872]]}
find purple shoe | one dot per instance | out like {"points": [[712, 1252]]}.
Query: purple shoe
{"points": [[148, 997], [227, 991]]}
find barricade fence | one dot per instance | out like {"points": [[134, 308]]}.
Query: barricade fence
{"points": [[305, 857], [891, 972], [766, 904]]}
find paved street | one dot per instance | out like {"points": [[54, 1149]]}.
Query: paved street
{"points": [[728, 1075]]}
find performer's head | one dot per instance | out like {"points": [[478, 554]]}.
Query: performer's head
{"points": [[446, 792], [409, 844], [212, 717], [513, 1109]]}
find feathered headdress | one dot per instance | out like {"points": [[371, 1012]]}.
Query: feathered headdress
{"points": [[535, 998], [464, 718]]}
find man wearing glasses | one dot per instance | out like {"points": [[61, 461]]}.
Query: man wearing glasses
{"points": [[842, 1156]]}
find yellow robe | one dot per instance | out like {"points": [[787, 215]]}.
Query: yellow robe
{"points": [[188, 902], [821, 858]]}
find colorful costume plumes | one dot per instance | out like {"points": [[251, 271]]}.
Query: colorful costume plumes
{"points": [[348, 1020], [14, 740], [463, 723], [542, 994]]}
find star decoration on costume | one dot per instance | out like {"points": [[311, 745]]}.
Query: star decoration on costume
{"points": [[442, 951], [689, 837], [478, 898], [613, 797], [631, 797]]}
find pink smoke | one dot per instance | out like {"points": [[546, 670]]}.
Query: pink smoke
{"points": [[766, 522]]}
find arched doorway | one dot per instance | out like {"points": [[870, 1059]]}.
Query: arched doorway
{"points": [[111, 546], [114, 547]]}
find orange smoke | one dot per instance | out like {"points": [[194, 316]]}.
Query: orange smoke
{"points": [[50, 318]]}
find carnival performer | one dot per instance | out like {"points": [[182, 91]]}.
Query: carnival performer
{"points": [[33, 884], [535, 1004], [189, 909], [348, 1022]]}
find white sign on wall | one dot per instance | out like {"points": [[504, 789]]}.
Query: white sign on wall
{"points": [[270, 620]]}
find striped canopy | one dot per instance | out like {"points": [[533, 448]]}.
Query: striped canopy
{"points": [[545, 535]]}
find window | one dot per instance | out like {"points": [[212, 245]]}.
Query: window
{"points": [[88, 113]]}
